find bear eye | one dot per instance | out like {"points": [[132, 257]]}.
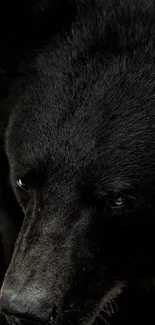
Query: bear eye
{"points": [[21, 184], [119, 202]]}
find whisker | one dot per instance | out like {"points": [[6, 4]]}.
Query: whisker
{"points": [[103, 319], [106, 311]]}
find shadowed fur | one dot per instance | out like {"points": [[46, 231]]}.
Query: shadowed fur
{"points": [[80, 138]]}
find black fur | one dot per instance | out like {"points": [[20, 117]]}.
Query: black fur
{"points": [[80, 136]]}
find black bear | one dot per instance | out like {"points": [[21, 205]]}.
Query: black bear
{"points": [[77, 129]]}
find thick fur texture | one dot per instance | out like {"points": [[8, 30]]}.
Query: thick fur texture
{"points": [[79, 140]]}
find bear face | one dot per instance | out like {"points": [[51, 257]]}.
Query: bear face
{"points": [[80, 145]]}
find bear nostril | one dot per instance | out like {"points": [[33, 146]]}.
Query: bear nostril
{"points": [[53, 316]]}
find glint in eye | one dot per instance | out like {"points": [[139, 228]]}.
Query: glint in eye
{"points": [[119, 202], [21, 184]]}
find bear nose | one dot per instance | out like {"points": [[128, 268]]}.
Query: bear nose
{"points": [[26, 308]]}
